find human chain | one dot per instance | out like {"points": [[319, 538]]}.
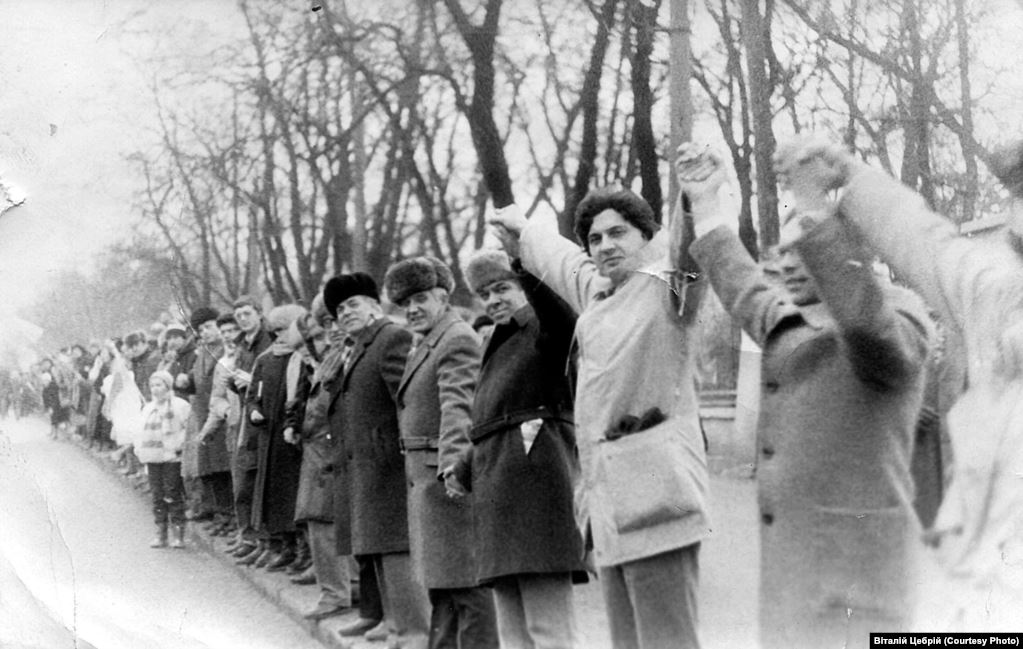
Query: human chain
{"points": [[477, 470]]}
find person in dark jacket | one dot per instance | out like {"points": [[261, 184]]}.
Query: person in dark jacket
{"points": [[274, 382], [523, 460], [434, 400], [254, 340], [367, 400]]}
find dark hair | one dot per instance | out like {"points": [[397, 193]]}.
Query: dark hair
{"points": [[632, 208], [246, 300], [134, 338], [226, 318]]}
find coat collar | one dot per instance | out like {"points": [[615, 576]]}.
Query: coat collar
{"points": [[362, 341], [500, 333], [422, 350], [814, 315]]}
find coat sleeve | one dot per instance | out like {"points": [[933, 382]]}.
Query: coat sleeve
{"points": [[740, 283], [254, 395], [560, 264], [953, 274], [556, 317], [294, 410], [458, 364], [886, 345]]}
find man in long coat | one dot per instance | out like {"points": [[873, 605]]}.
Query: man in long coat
{"points": [[212, 461], [434, 400], [524, 457], [255, 339], [842, 382], [976, 288], [367, 401]]}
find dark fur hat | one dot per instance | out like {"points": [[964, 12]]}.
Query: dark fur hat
{"points": [[415, 275], [201, 315], [340, 288], [487, 267]]}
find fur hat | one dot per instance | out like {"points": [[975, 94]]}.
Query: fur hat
{"points": [[487, 267], [340, 288], [201, 315], [415, 275]]}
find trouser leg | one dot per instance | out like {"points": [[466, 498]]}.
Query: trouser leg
{"points": [[405, 600], [542, 606], [370, 605], [331, 570], [156, 486], [652, 602], [174, 493]]}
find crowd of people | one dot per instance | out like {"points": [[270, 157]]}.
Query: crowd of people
{"points": [[466, 476]]}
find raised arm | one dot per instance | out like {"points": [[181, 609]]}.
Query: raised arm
{"points": [[736, 278], [553, 259], [457, 368], [886, 331]]}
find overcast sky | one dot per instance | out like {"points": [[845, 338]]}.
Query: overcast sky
{"points": [[73, 102]]}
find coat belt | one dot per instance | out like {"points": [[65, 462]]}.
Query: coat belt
{"points": [[511, 419], [417, 443]]}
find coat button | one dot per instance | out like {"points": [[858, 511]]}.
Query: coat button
{"points": [[771, 386], [768, 451], [767, 518]]}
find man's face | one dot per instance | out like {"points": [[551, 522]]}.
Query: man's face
{"points": [[247, 319], [208, 332], [356, 313], [424, 309], [797, 280], [502, 299], [318, 335], [175, 342], [229, 332], [614, 245], [139, 349]]}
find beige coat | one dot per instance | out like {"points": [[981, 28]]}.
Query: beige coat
{"points": [[977, 288], [842, 383], [636, 352]]}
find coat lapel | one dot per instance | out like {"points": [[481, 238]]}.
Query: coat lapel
{"points": [[424, 347], [361, 345]]}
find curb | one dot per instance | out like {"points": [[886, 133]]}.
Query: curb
{"points": [[293, 600]]}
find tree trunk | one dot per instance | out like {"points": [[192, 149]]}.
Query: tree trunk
{"points": [[755, 34], [644, 146]]}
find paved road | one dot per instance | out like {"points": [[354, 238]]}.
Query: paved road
{"points": [[75, 563]]}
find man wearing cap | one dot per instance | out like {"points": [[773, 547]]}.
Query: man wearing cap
{"points": [[634, 289], [524, 457], [366, 398], [434, 403]]}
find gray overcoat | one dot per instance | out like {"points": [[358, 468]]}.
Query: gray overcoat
{"points": [[842, 384], [434, 402]]}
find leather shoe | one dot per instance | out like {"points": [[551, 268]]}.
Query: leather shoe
{"points": [[250, 557], [323, 611], [379, 633], [307, 578], [358, 627], [281, 561], [266, 557]]}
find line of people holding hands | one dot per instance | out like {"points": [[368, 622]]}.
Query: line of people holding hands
{"points": [[475, 479]]}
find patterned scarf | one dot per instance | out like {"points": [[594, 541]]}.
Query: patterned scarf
{"points": [[334, 360]]}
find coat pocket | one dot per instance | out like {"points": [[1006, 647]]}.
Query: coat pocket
{"points": [[651, 477]]}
